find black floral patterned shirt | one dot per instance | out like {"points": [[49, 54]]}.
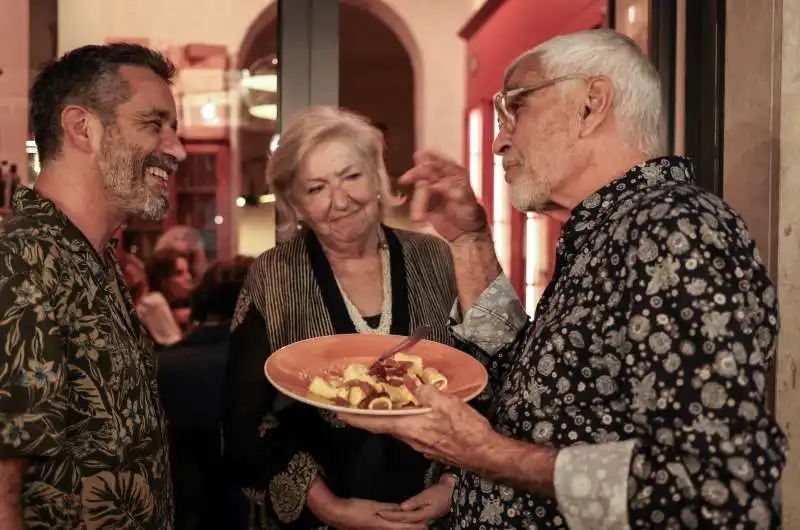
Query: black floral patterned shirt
{"points": [[646, 365], [78, 397]]}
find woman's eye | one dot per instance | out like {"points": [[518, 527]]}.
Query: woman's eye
{"points": [[155, 125], [314, 190], [353, 176]]}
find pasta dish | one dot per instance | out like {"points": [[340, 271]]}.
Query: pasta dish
{"points": [[389, 384]]}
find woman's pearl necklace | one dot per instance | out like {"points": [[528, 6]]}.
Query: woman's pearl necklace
{"points": [[385, 326]]}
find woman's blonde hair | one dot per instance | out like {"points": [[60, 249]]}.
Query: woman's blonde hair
{"points": [[307, 130]]}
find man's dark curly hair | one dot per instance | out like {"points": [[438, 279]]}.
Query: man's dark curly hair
{"points": [[89, 77]]}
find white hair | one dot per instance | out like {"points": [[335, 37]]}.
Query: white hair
{"points": [[637, 88]]}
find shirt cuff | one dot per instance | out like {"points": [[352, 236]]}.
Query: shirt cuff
{"points": [[494, 320], [591, 484]]}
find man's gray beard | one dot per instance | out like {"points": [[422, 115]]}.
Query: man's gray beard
{"points": [[526, 196], [136, 199], [155, 208]]}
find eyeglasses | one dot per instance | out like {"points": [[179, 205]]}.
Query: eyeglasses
{"points": [[508, 102]]}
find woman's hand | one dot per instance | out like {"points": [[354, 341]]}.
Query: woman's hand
{"points": [[352, 514], [362, 514], [431, 504]]}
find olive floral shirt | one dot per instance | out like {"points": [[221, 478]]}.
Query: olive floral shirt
{"points": [[78, 396], [645, 365]]}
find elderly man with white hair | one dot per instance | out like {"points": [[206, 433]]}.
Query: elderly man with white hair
{"points": [[636, 396]]}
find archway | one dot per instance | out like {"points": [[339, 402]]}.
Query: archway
{"points": [[376, 79], [253, 134], [378, 76], [262, 31]]}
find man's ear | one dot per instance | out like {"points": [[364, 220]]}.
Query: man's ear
{"points": [[597, 104], [82, 130]]}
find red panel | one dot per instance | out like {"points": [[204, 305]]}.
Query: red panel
{"points": [[487, 163], [519, 25]]}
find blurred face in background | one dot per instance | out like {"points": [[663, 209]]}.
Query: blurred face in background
{"points": [[179, 285]]}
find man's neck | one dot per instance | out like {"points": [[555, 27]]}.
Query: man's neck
{"points": [[83, 202], [601, 171]]}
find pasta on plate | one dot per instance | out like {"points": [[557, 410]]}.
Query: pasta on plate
{"points": [[388, 385]]}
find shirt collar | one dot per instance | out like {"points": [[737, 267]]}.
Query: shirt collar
{"points": [[596, 208], [26, 202]]}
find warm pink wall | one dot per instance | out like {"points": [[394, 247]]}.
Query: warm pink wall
{"points": [[14, 82]]}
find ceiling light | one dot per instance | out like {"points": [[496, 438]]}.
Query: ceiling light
{"points": [[261, 82], [268, 111]]}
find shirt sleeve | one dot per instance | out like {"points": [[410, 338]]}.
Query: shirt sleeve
{"points": [[494, 320], [268, 440], [699, 334], [32, 363]]}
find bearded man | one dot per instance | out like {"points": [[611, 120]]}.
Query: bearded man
{"points": [[636, 398], [82, 431]]}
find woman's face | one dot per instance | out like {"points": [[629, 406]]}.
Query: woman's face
{"points": [[179, 285], [335, 193]]}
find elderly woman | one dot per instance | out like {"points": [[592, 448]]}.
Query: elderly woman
{"points": [[343, 272]]}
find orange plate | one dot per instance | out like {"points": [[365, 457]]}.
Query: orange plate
{"points": [[292, 368]]}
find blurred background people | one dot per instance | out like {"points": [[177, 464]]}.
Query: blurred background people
{"points": [[188, 241], [190, 376], [169, 277]]}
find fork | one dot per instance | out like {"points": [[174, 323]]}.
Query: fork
{"points": [[420, 333]]}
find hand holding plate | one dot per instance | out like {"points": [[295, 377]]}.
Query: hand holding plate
{"points": [[452, 432]]}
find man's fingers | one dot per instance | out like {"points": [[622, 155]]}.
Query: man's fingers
{"points": [[416, 502], [424, 156], [376, 425], [443, 165], [386, 507], [420, 201], [430, 396], [421, 172]]}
